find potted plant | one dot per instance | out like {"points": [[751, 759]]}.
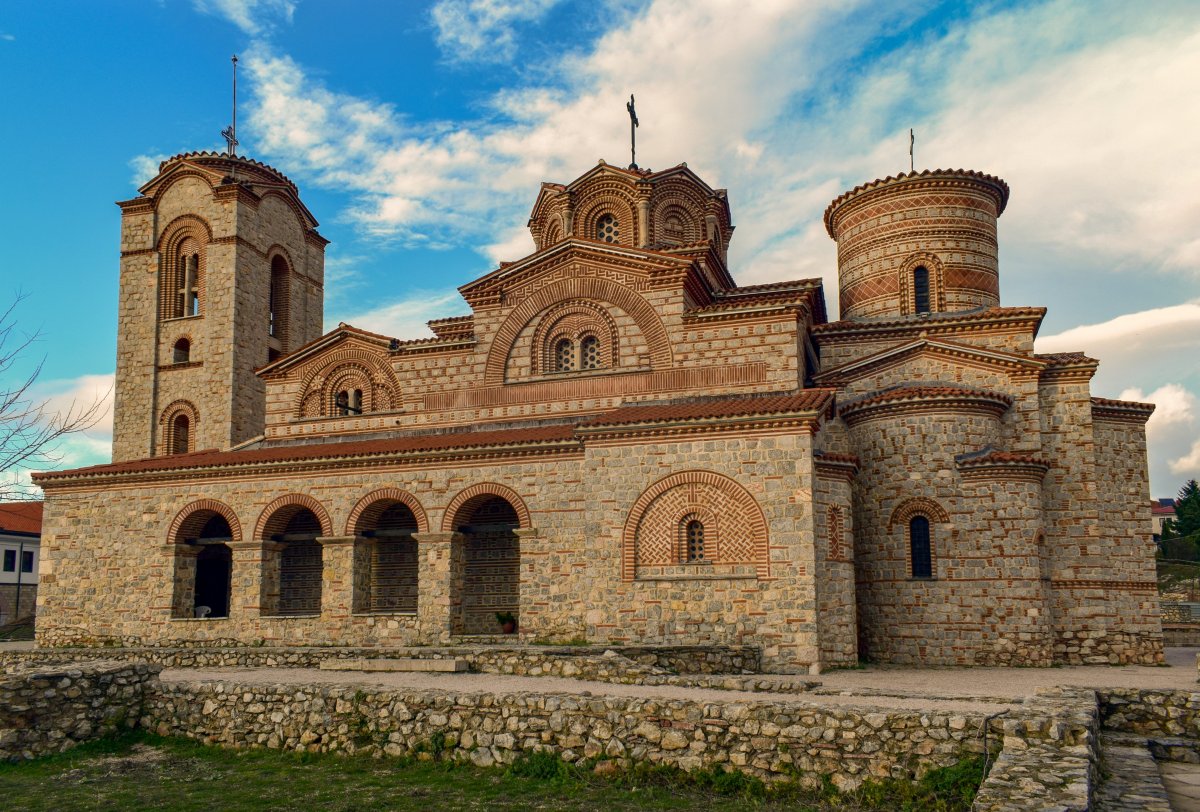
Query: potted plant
{"points": [[507, 621]]}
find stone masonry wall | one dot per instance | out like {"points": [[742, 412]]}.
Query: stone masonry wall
{"points": [[104, 547], [47, 709], [768, 739]]}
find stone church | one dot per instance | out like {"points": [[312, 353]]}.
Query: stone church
{"points": [[615, 442]]}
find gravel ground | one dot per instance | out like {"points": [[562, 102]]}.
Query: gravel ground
{"points": [[502, 684]]}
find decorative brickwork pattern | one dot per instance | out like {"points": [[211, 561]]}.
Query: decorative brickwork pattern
{"points": [[735, 531], [275, 516], [191, 520]]}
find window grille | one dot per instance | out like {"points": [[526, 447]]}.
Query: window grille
{"points": [[607, 229]]}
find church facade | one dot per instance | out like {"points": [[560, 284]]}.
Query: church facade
{"points": [[617, 443]]}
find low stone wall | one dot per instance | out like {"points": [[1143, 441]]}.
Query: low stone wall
{"points": [[1181, 634], [770, 740], [1151, 713], [50, 709], [635, 664], [1058, 770]]}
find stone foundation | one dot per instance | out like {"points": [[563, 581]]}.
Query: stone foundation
{"points": [[49, 709]]}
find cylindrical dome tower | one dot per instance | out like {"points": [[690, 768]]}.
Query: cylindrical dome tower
{"points": [[921, 242]]}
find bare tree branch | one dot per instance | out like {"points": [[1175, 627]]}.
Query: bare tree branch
{"points": [[30, 431]]}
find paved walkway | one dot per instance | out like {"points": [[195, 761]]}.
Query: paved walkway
{"points": [[1178, 674], [1182, 782]]}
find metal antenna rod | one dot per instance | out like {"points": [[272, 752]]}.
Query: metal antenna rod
{"points": [[912, 142], [230, 132]]}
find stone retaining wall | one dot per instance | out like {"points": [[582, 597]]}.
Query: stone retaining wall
{"points": [[49, 709], [771, 740], [1180, 634], [1057, 771], [520, 660], [1153, 713]]}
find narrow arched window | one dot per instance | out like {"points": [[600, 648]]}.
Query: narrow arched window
{"points": [[278, 301], [589, 352], [919, 548], [564, 355], [342, 403], [356, 401], [608, 229], [921, 289], [189, 294], [694, 538], [180, 434], [182, 352]]}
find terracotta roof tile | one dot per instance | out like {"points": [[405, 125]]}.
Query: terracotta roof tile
{"points": [[929, 320], [992, 456], [1159, 509], [808, 400], [909, 177], [314, 451], [1125, 405], [1055, 358], [21, 517], [900, 393]]}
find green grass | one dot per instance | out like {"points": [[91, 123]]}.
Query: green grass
{"points": [[17, 630], [143, 772]]}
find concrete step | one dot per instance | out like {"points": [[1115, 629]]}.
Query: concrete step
{"points": [[407, 664], [1133, 782]]}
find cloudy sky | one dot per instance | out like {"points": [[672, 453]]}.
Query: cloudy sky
{"points": [[419, 132]]}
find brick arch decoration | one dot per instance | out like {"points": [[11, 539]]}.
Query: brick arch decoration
{"points": [[590, 288], [182, 174], [382, 392], [836, 529], [607, 198], [937, 286], [573, 320], [275, 516], [376, 502], [166, 425], [651, 529], [191, 520], [170, 273], [693, 224], [918, 506], [470, 498]]}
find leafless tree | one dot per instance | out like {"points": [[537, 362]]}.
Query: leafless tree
{"points": [[30, 431]]}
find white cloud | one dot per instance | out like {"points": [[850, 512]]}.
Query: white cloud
{"points": [[145, 167], [1188, 466], [1137, 352], [252, 16], [483, 30], [7, 37], [405, 318]]}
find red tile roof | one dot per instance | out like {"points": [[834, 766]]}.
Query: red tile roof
{"points": [[1124, 405], [911, 177], [924, 393], [1159, 509], [21, 517], [1055, 358], [808, 400], [314, 451]]}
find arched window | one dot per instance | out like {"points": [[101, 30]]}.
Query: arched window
{"points": [[607, 229], [693, 533], [589, 353], [673, 227], [189, 291], [182, 352], [920, 550], [278, 300], [564, 355], [921, 289], [180, 434]]}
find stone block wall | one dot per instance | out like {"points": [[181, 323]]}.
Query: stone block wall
{"points": [[111, 544], [47, 709]]}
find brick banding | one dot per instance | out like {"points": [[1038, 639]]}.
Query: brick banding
{"points": [[276, 515], [467, 500], [191, 520], [368, 509]]}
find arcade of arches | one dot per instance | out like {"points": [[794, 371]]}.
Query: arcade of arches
{"points": [[290, 563]]}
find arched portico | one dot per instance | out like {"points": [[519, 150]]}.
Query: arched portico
{"points": [[488, 583]]}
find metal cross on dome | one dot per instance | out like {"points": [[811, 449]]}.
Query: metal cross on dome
{"points": [[633, 123]]}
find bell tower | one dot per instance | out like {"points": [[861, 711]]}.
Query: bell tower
{"points": [[222, 271]]}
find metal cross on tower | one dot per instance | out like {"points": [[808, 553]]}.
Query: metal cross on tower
{"points": [[230, 132], [633, 123]]}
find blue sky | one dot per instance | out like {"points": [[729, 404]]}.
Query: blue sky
{"points": [[418, 133]]}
